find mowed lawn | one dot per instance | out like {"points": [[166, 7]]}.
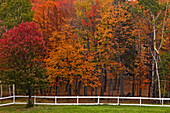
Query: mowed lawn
{"points": [[83, 109]]}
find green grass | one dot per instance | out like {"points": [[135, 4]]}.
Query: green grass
{"points": [[83, 109]]}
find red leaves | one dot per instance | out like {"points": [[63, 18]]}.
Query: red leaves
{"points": [[22, 43]]}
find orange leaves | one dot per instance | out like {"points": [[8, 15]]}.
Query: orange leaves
{"points": [[50, 16], [113, 33], [67, 58]]}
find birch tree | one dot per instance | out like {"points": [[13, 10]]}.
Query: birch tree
{"points": [[155, 12]]}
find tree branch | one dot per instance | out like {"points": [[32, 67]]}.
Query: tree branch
{"points": [[163, 27]]}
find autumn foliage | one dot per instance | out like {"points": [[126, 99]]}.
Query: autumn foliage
{"points": [[92, 46]]}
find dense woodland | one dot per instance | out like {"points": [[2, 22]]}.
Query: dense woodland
{"points": [[85, 47]]}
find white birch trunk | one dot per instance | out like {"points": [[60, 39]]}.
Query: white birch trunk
{"points": [[9, 90]]}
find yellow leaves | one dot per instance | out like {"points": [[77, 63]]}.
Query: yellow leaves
{"points": [[67, 57]]}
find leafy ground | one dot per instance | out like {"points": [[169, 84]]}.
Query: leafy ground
{"points": [[83, 109]]}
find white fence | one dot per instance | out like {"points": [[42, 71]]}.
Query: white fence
{"points": [[98, 98], [77, 102]]}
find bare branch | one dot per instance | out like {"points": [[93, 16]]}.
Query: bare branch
{"points": [[163, 27], [158, 15]]}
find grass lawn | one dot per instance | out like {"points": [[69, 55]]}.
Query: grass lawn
{"points": [[83, 109]]}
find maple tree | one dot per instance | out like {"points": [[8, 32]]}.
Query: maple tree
{"points": [[68, 60], [96, 45], [50, 15], [21, 57], [113, 34], [87, 14]]}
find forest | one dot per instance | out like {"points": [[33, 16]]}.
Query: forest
{"points": [[86, 47]]}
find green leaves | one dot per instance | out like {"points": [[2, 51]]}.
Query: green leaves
{"points": [[12, 12]]}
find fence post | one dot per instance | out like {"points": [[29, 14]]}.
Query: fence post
{"points": [[13, 94], [2, 90], [98, 100], [34, 99], [55, 100], [118, 100], [77, 100], [162, 102], [140, 101]]}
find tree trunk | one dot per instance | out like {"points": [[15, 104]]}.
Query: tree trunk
{"points": [[133, 86], [85, 90], [113, 87], [49, 92], [102, 84], [45, 92], [105, 77], [76, 88], [69, 89], [153, 79], [41, 92], [121, 85], [157, 73], [118, 85], [140, 89], [95, 91], [79, 86], [109, 88], [30, 104], [149, 88], [92, 91], [56, 88]]}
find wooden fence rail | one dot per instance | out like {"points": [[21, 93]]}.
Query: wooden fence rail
{"points": [[98, 98]]}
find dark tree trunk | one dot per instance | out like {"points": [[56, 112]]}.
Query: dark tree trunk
{"points": [[41, 92], [102, 86], [113, 86], [105, 78], [140, 89], [118, 85], [69, 89], [137, 90], [85, 90], [110, 85], [149, 89], [133, 86], [79, 86], [44, 92], [121, 85], [92, 89], [29, 98], [76, 87], [49, 92], [95, 91], [109, 88], [66, 87], [56, 88]]}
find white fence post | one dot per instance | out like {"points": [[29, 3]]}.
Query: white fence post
{"points": [[98, 100], [13, 94], [55, 100], [140, 101], [1, 90], [77, 100], [35, 99], [118, 100], [162, 102]]}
